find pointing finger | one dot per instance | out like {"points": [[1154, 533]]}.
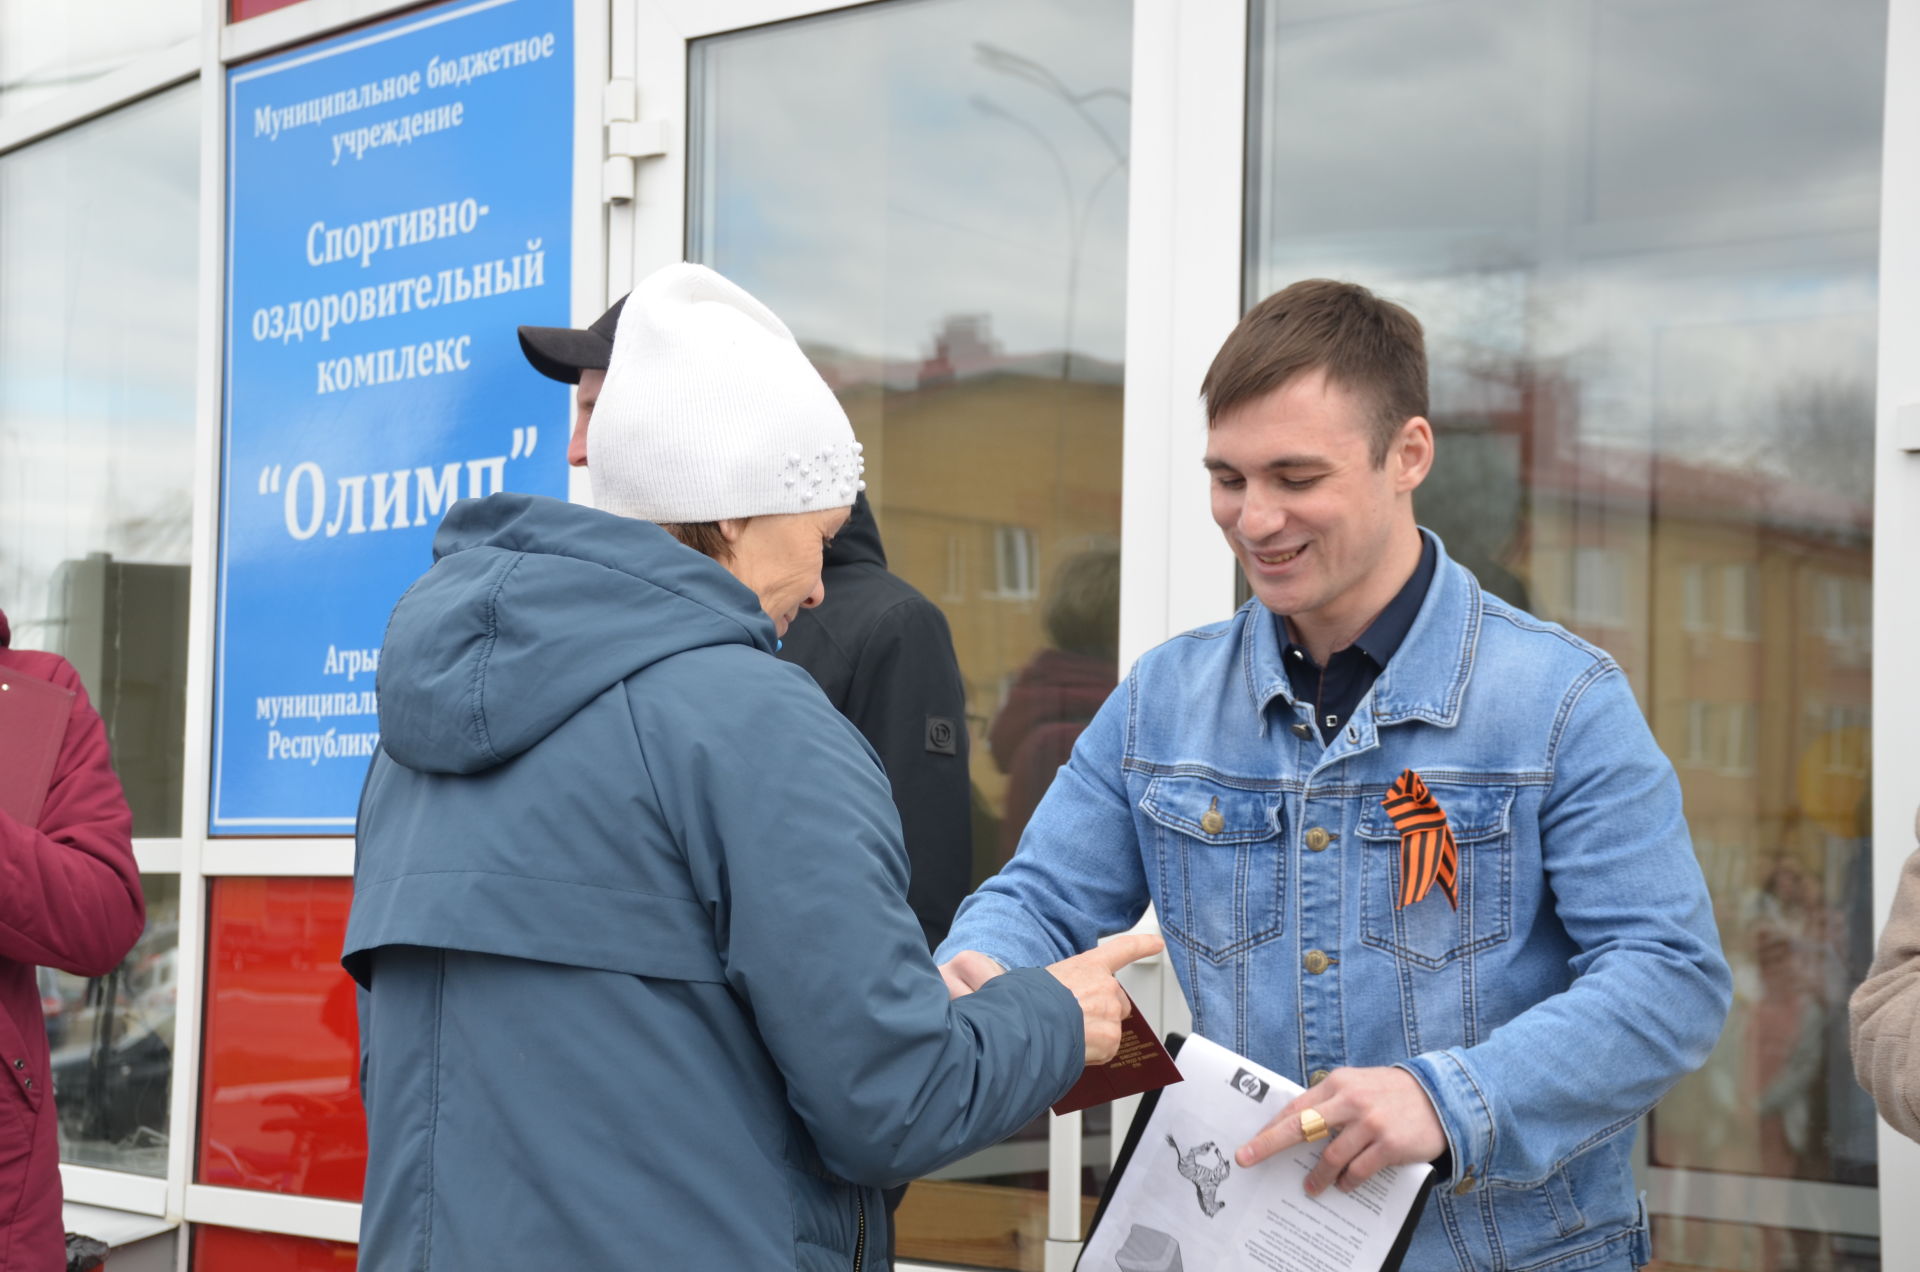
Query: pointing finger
{"points": [[1282, 1133]]}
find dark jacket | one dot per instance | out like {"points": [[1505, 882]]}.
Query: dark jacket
{"points": [[69, 898], [883, 655], [644, 990]]}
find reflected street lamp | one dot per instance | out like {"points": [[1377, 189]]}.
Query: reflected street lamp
{"points": [[1079, 211]]}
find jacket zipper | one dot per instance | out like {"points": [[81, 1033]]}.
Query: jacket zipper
{"points": [[860, 1244]]}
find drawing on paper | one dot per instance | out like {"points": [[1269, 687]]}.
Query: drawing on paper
{"points": [[1205, 1177], [1149, 1250]]}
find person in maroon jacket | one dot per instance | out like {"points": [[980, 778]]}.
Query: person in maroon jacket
{"points": [[69, 898], [1060, 688]]}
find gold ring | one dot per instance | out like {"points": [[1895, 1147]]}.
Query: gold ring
{"points": [[1313, 1127]]}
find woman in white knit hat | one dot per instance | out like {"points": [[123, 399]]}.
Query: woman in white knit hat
{"points": [[630, 902]]}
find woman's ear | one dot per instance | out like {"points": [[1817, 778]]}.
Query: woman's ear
{"points": [[731, 528]]}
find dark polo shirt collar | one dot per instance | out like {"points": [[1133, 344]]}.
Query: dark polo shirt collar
{"points": [[1336, 690]]}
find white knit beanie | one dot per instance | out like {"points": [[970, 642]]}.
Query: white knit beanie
{"points": [[710, 411]]}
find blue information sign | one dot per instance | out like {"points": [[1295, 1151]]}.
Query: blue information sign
{"points": [[398, 201]]}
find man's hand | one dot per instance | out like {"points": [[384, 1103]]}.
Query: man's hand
{"points": [[1381, 1117], [967, 971], [1103, 1004]]}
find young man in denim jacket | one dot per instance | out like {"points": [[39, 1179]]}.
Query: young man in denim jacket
{"points": [[1506, 997]]}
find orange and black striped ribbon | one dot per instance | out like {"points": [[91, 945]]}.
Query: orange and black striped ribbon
{"points": [[1427, 851]]}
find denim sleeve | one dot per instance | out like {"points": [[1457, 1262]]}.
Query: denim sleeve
{"points": [[1077, 874], [1650, 989]]}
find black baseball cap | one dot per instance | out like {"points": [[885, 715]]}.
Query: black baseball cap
{"points": [[562, 353]]}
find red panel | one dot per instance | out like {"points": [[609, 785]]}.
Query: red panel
{"points": [[279, 1100], [240, 10], [236, 1250]]}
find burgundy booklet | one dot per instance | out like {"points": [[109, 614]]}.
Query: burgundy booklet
{"points": [[1141, 1064], [33, 724]]}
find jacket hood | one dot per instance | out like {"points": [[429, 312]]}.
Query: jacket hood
{"points": [[858, 540], [533, 608]]}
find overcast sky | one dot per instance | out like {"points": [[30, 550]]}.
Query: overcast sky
{"points": [[871, 173]]}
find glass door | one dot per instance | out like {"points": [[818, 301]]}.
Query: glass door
{"points": [[933, 195]]}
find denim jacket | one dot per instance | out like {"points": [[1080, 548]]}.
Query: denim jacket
{"points": [[1580, 977]]}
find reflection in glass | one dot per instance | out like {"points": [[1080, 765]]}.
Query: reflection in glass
{"points": [[97, 301], [49, 49], [1701, 1243], [280, 1102], [238, 1250], [933, 196], [112, 1043], [1643, 238]]}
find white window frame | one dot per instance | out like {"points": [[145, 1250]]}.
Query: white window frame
{"points": [[1739, 737], [1016, 564], [1696, 615], [1699, 733], [1740, 600], [1896, 536], [1599, 586]]}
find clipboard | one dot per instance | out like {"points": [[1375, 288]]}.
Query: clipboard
{"points": [[34, 714], [1148, 1103]]}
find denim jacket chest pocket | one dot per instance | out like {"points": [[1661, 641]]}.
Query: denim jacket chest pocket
{"points": [[1430, 933], [1221, 877]]}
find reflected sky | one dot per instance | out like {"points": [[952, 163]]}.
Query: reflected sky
{"points": [[50, 46], [98, 296], [976, 150], [1673, 207]]}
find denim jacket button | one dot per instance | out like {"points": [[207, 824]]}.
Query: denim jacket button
{"points": [[1316, 1077], [1318, 839], [1465, 1185], [1317, 961]]}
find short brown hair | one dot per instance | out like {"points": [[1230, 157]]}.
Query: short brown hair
{"points": [[1366, 345], [703, 537]]}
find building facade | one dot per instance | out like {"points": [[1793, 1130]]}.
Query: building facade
{"points": [[261, 261]]}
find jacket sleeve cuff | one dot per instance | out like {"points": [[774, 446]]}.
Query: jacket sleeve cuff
{"points": [[1003, 949], [1466, 1115]]}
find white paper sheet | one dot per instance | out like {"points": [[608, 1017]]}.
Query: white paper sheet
{"points": [[1184, 1205]]}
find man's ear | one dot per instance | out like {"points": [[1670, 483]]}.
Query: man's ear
{"points": [[1412, 453]]}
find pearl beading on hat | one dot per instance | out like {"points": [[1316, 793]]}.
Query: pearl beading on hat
{"points": [[835, 470]]}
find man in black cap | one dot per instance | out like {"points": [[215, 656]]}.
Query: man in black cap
{"points": [[573, 356]]}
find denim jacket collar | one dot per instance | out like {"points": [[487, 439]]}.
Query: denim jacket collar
{"points": [[1425, 680]]}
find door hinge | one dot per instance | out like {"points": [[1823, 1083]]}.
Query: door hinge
{"points": [[629, 140], [1906, 427]]}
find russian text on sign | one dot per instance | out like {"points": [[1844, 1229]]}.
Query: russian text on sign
{"points": [[305, 506]]}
